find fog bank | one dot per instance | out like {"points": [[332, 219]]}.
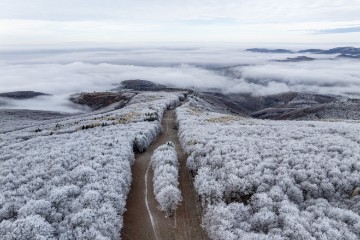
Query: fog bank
{"points": [[62, 73]]}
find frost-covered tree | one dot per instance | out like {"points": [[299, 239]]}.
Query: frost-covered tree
{"points": [[165, 165], [260, 179], [66, 182]]}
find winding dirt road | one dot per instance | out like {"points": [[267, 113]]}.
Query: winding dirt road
{"points": [[143, 220]]}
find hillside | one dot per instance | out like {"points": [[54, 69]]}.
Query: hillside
{"points": [[262, 179], [286, 106], [70, 178], [64, 176]]}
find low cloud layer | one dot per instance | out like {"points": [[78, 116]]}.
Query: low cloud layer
{"points": [[231, 71], [54, 103], [340, 77]]}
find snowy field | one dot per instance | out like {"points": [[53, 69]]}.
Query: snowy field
{"points": [[261, 179], [70, 179]]}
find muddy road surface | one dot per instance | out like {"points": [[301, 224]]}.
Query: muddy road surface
{"points": [[143, 220]]}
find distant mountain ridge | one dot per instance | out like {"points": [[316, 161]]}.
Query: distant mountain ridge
{"points": [[342, 50], [266, 50], [356, 56], [20, 95], [142, 85], [352, 51], [287, 106], [311, 51], [296, 59]]}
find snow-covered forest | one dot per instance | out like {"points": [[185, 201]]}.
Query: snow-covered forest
{"points": [[69, 179], [165, 165], [260, 179], [256, 179]]}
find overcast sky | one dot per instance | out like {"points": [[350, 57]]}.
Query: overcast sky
{"points": [[139, 21]]}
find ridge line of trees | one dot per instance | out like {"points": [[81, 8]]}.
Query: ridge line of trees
{"points": [[165, 165]]}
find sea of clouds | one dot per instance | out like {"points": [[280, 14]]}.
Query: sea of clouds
{"points": [[62, 72]]}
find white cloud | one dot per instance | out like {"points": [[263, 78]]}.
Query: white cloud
{"points": [[78, 77], [339, 77], [57, 103], [61, 72]]}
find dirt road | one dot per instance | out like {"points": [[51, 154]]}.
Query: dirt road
{"points": [[143, 220]]}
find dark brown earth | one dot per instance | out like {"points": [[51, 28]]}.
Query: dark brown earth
{"points": [[185, 224], [142, 85], [98, 100]]}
